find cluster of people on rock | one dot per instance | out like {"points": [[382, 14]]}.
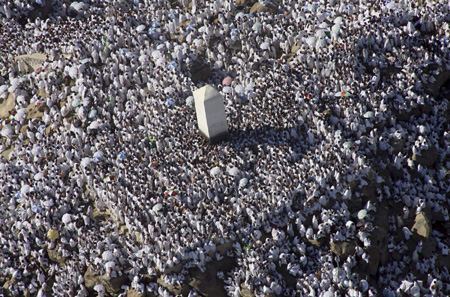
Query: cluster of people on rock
{"points": [[329, 111]]}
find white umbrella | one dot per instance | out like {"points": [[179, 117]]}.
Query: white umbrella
{"points": [[239, 89], [169, 90], [144, 58], [25, 189], [107, 256], [215, 171], [335, 29], [99, 288], [243, 182], [362, 214], [156, 54], [320, 33], [66, 218], [140, 28], [190, 101], [369, 115], [239, 15], [338, 20], [264, 45], [110, 265], [321, 43], [38, 176], [157, 207], [85, 162], [257, 26], [92, 114], [76, 102], [160, 61], [226, 90], [311, 41], [48, 203], [348, 144], [234, 171]]}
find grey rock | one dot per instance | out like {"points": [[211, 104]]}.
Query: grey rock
{"points": [[258, 7], [422, 225], [343, 248], [439, 80], [112, 285], [427, 157], [199, 70]]}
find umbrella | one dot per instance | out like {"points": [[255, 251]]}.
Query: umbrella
{"points": [[338, 20], [24, 190], [170, 102], [311, 41], [96, 159], [239, 15], [48, 203], [155, 25], [172, 65], [85, 162], [157, 207], [99, 288], [243, 182], [369, 115], [227, 81], [335, 29], [160, 61], [93, 126], [239, 89], [264, 45], [362, 214], [76, 102], [321, 43], [38, 176], [234, 32], [215, 171], [140, 28], [190, 27], [92, 114], [121, 156], [348, 144], [37, 208], [156, 54], [110, 265], [320, 33], [52, 234], [66, 218], [257, 26], [190, 101], [107, 256], [234, 171], [143, 59], [226, 90]]}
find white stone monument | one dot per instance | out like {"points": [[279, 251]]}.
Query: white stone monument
{"points": [[211, 117]]}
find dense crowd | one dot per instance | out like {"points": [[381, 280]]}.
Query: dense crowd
{"points": [[329, 111]]}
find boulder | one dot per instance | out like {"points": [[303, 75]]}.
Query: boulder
{"points": [[422, 225], [427, 157], [439, 80], [397, 144], [268, 7], [377, 251], [343, 248], [207, 283], [30, 62], [245, 292], [112, 285], [183, 289], [77, 9], [56, 256], [199, 70]]}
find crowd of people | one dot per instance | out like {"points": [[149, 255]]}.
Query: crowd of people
{"points": [[329, 111]]}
